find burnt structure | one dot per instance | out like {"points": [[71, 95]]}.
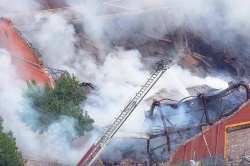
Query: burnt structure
{"points": [[156, 30], [172, 123], [184, 119], [214, 145], [192, 46]]}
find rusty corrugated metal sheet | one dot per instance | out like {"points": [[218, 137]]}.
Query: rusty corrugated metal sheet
{"points": [[24, 56], [196, 147]]}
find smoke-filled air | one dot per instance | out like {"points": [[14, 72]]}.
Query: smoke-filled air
{"points": [[110, 44]]}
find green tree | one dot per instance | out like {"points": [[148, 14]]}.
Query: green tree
{"points": [[9, 156], [62, 100]]}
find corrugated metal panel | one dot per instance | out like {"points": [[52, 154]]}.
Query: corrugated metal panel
{"points": [[196, 147], [18, 47]]}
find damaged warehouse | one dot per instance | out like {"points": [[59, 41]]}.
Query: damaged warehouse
{"points": [[82, 38], [191, 115], [175, 122]]}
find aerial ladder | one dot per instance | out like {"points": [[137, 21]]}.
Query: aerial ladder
{"points": [[109, 132]]}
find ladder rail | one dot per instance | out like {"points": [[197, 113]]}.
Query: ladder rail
{"points": [[111, 129]]}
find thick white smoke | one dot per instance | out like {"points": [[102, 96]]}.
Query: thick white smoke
{"points": [[213, 18], [12, 6], [56, 41], [117, 78], [49, 146]]}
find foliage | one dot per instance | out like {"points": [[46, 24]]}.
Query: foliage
{"points": [[9, 156], [62, 100]]}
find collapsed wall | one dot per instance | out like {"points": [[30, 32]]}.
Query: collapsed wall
{"points": [[25, 58]]}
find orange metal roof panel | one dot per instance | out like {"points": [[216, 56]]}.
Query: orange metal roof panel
{"points": [[16, 44]]}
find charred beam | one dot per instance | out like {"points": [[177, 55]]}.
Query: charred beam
{"points": [[230, 90], [205, 108], [165, 130], [148, 152]]}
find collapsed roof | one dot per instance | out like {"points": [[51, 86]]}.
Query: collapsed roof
{"points": [[173, 123], [156, 29], [157, 34]]}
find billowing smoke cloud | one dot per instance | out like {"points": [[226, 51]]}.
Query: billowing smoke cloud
{"points": [[216, 20], [189, 80], [56, 30], [117, 80], [12, 6], [221, 14], [117, 77], [48, 147], [10, 90]]}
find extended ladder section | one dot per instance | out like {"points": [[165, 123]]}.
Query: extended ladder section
{"points": [[99, 145]]}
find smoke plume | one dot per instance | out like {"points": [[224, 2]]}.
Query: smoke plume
{"points": [[120, 73]]}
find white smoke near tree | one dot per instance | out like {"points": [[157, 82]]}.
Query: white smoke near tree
{"points": [[117, 78], [51, 145]]}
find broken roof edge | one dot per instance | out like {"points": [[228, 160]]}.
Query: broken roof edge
{"points": [[169, 162], [34, 51], [37, 54]]}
